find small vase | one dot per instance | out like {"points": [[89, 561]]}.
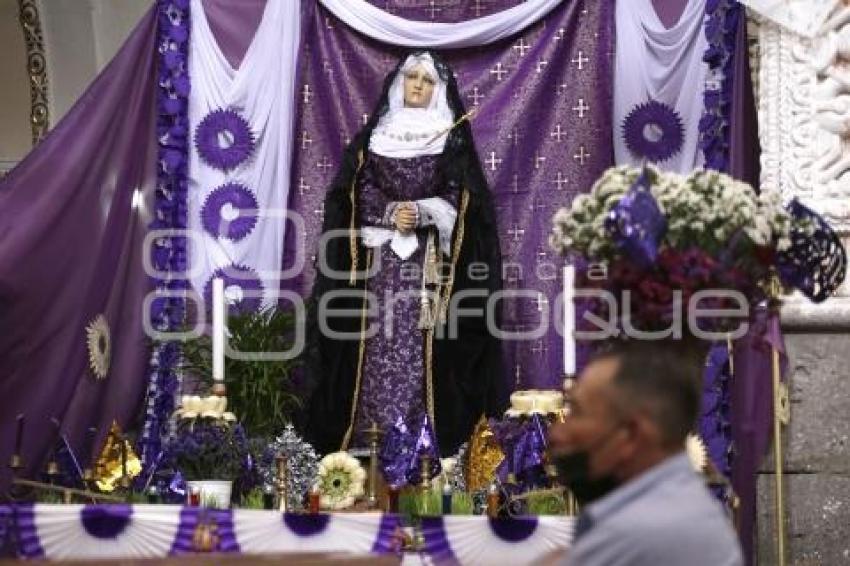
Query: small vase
{"points": [[214, 493]]}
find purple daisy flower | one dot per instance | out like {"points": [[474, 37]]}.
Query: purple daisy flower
{"points": [[230, 211], [224, 139], [653, 131], [242, 288]]}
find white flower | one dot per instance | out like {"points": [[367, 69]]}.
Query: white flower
{"points": [[340, 480], [211, 407]]}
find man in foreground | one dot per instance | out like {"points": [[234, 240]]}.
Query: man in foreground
{"points": [[621, 452]]}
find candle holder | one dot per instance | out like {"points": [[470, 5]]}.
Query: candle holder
{"points": [[373, 434], [16, 464], [425, 470], [219, 389], [282, 481]]}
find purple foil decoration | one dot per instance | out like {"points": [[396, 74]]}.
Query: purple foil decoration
{"points": [[250, 288], [721, 23], [245, 205], [224, 139], [636, 223], [653, 131], [395, 454], [715, 427], [426, 444], [106, 521], [524, 444], [816, 263], [169, 255]]}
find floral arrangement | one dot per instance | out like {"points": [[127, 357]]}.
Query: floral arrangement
{"points": [[208, 444], [658, 232], [340, 480]]}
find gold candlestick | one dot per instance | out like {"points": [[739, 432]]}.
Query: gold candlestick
{"points": [[282, 480], [775, 291], [373, 433]]}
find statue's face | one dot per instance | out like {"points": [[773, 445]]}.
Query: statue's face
{"points": [[418, 87]]}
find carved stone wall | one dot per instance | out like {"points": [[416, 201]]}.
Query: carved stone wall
{"points": [[803, 61]]}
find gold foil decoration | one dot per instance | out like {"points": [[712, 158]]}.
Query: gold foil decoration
{"points": [[111, 464], [485, 455]]}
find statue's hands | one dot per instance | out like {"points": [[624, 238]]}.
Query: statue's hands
{"points": [[405, 217]]}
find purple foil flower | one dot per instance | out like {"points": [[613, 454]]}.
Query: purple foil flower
{"points": [[636, 223], [230, 211], [653, 131], [243, 289], [426, 444], [816, 263], [395, 454], [224, 139], [169, 253]]}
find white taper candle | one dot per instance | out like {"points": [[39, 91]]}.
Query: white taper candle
{"points": [[569, 320], [218, 329]]}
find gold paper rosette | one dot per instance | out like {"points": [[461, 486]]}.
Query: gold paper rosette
{"points": [[340, 481], [99, 343], [485, 455], [109, 465]]}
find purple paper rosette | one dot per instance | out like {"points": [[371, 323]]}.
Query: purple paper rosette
{"points": [[653, 131], [242, 288], [230, 211], [224, 139]]}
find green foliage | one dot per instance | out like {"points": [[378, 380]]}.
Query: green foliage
{"points": [[253, 500], [462, 503], [546, 502], [260, 392]]}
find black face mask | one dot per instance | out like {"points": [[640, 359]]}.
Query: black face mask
{"points": [[574, 473]]}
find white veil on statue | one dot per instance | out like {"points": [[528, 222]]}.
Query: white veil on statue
{"points": [[410, 132]]}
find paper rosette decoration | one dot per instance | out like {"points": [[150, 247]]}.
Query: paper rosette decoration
{"points": [[263, 532], [653, 131], [230, 211], [243, 290], [99, 343], [476, 540], [340, 480], [224, 139]]}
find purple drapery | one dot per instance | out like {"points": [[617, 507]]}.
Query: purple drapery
{"points": [[542, 134], [751, 410], [71, 247]]}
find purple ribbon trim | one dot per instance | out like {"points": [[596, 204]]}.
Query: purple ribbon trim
{"points": [[386, 541], [191, 517], [436, 543], [29, 545]]}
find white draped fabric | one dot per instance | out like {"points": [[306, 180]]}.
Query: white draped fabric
{"points": [[656, 63], [262, 91], [389, 28]]}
